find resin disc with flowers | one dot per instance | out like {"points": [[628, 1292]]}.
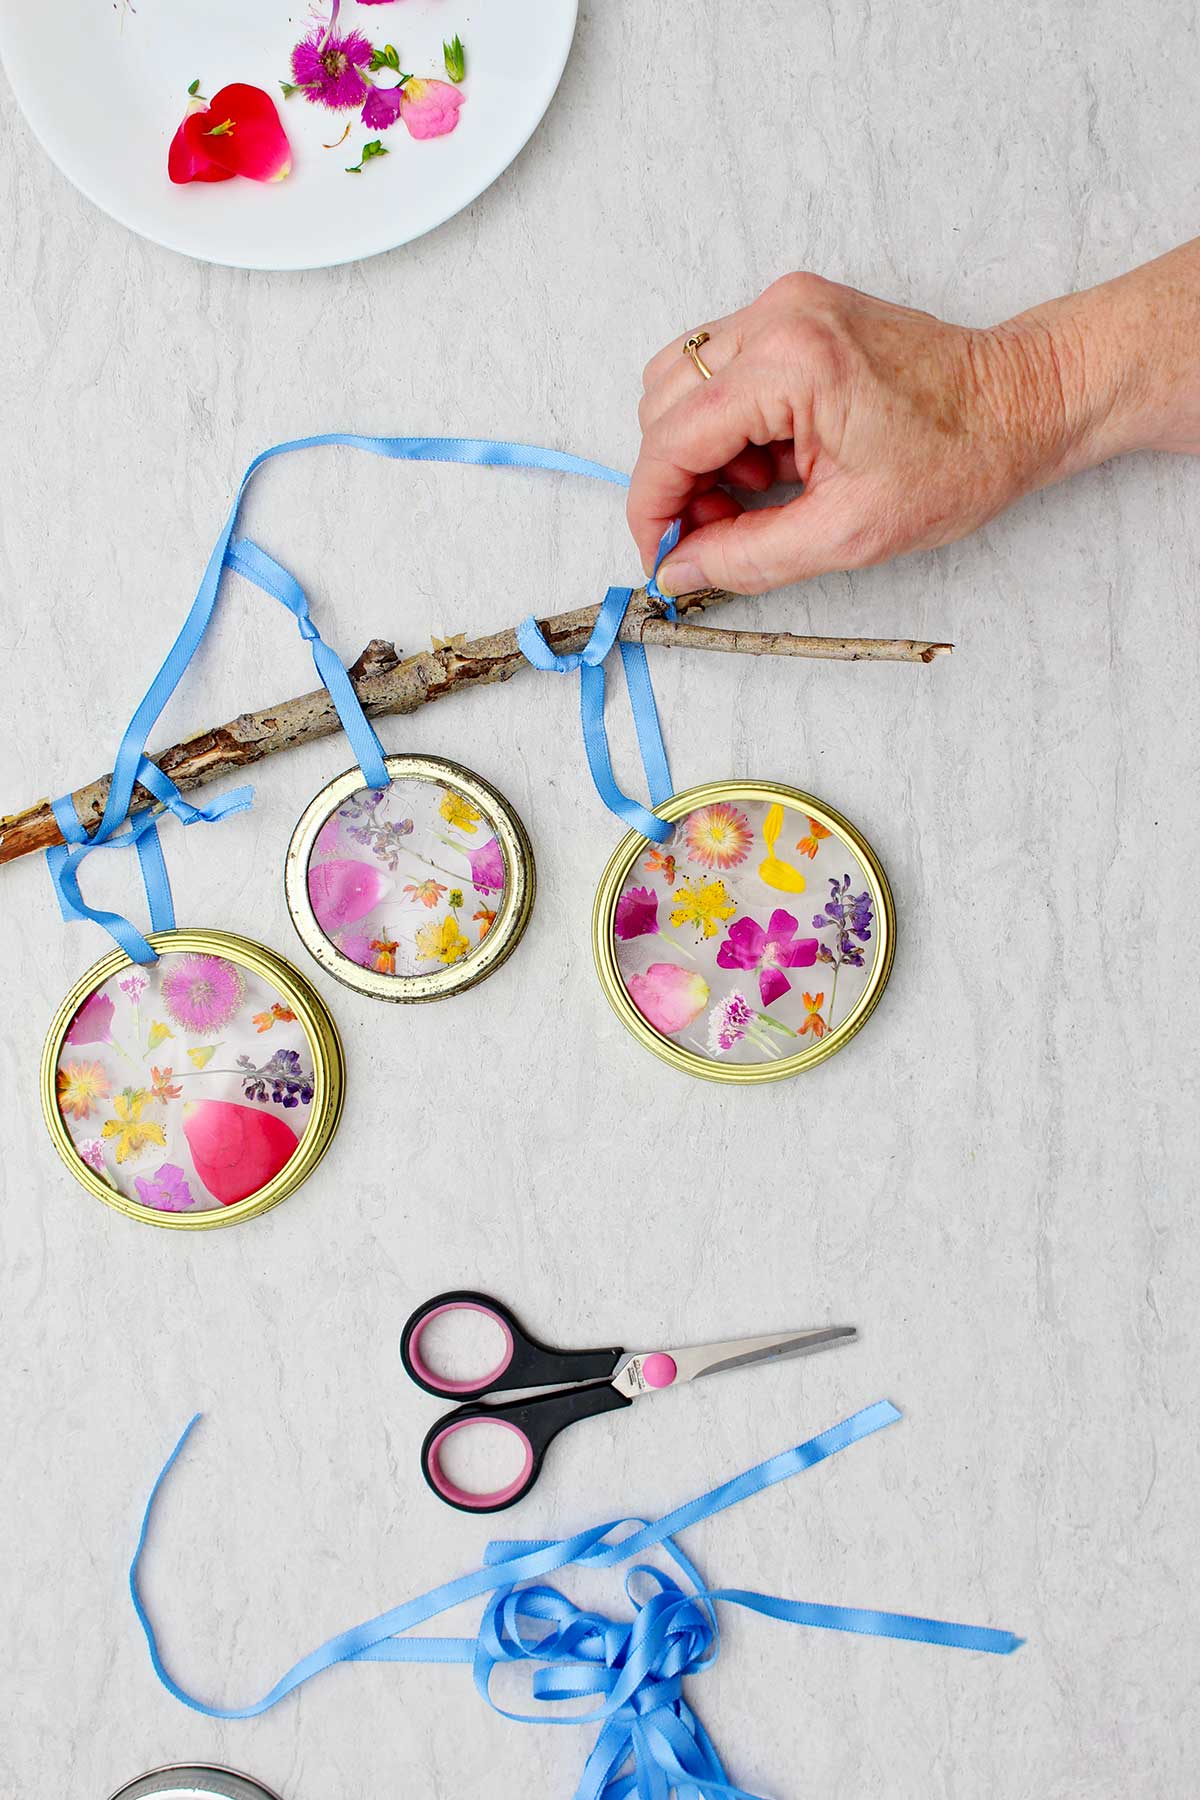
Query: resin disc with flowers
{"points": [[754, 942], [197, 1089], [412, 891]]}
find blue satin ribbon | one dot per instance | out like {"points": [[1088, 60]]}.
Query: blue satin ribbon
{"points": [[633, 1670], [116, 830]]}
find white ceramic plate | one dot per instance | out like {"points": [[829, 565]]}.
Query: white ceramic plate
{"points": [[104, 85]]}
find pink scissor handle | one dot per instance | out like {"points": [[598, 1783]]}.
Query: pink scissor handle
{"points": [[525, 1364], [429, 1379], [464, 1498]]}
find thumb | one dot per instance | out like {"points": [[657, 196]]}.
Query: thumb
{"points": [[767, 548]]}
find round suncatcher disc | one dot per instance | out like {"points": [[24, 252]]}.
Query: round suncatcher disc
{"points": [[413, 891], [197, 1090], [755, 942]]}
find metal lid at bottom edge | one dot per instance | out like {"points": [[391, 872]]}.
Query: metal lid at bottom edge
{"points": [[194, 1781]]}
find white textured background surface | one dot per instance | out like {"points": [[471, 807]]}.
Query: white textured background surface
{"points": [[996, 1181]]}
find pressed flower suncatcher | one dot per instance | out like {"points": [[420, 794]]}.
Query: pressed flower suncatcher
{"points": [[751, 944], [414, 890], [196, 1089]]}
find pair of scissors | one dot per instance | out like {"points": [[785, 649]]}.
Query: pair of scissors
{"points": [[605, 1381]]}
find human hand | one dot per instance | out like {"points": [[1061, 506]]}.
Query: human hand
{"points": [[902, 432]]}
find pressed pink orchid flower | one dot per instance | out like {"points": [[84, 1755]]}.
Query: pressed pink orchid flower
{"points": [[748, 946], [430, 107]]}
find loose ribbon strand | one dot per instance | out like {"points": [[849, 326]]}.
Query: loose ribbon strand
{"points": [[131, 766], [632, 1669]]}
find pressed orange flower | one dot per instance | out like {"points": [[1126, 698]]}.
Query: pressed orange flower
{"points": [[384, 951], [160, 1085], [443, 943], [812, 1015], [808, 845], [129, 1128], [275, 1015], [485, 918], [78, 1085], [658, 860], [427, 892]]}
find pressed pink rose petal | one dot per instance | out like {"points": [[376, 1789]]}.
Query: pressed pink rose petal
{"points": [[236, 1149], [344, 891], [92, 1024], [186, 161], [431, 107], [667, 996]]}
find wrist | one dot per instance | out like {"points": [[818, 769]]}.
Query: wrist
{"points": [[1058, 392]]}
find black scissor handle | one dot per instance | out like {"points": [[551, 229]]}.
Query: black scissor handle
{"points": [[525, 1362], [537, 1422]]}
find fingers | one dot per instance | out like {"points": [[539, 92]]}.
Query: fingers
{"points": [[757, 551], [702, 434], [670, 359]]}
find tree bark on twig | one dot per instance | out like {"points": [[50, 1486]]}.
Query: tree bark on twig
{"points": [[388, 683]]}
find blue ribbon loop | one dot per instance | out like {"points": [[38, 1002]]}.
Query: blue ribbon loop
{"points": [[590, 663], [116, 830], [633, 1670]]}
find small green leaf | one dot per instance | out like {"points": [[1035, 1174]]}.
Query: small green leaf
{"points": [[369, 153], [289, 88], [455, 58], [194, 86], [387, 58]]}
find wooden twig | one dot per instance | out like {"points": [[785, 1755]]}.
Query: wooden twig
{"points": [[388, 683]]}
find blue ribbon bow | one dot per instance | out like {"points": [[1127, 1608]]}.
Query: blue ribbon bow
{"points": [[650, 1744], [117, 830]]}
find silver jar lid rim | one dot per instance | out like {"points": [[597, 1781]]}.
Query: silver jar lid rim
{"points": [[194, 1781]]}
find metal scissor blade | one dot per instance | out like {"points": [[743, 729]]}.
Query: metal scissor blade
{"points": [[655, 1371], [740, 1353]]}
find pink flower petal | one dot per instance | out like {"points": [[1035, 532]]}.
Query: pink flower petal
{"points": [[772, 983], [667, 996], [431, 107], [255, 143], [190, 161], [92, 1024], [744, 945], [382, 107]]}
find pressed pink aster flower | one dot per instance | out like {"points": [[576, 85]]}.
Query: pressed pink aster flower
{"points": [[202, 993], [329, 66]]}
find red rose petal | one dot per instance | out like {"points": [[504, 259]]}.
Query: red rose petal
{"points": [[189, 161], [256, 143]]}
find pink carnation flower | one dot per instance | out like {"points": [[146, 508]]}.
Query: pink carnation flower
{"points": [[329, 67], [636, 914]]}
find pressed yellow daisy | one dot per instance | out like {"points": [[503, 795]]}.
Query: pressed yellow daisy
{"points": [[719, 836], [457, 811], [129, 1128], [442, 943], [78, 1085], [703, 904]]}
